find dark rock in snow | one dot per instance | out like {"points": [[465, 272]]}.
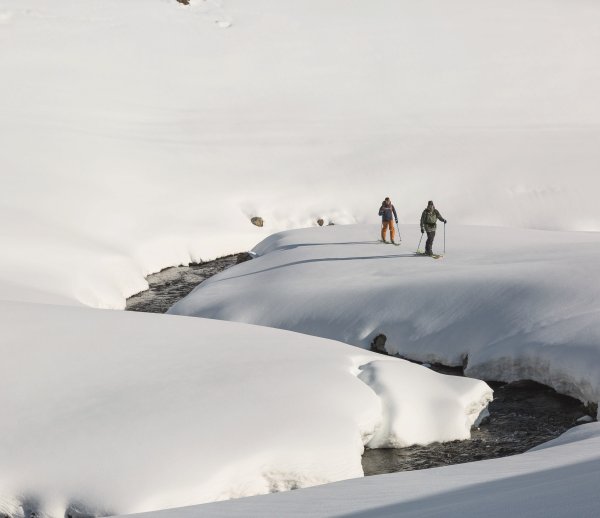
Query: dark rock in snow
{"points": [[258, 221], [378, 344]]}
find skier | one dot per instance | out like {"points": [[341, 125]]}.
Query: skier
{"points": [[388, 215], [429, 223]]}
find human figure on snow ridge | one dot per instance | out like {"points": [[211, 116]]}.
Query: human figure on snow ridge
{"points": [[429, 224], [388, 214]]}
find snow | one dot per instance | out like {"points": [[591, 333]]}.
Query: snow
{"points": [[143, 134], [10, 506], [408, 417], [509, 304], [585, 419], [131, 412], [558, 480]]}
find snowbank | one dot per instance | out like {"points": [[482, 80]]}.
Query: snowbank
{"points": [[124, 412], [508, 304], [142, 134], [560, 480]]}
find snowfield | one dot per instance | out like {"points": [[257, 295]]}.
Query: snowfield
{"points": [[130, 412], [509, 304], [142, 134]]}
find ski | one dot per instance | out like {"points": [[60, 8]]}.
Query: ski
{"points": [[433, 256], [388, 243]]}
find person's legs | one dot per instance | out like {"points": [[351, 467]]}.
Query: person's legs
{"points": [[429, 244], [383, 230], [392, 231]]}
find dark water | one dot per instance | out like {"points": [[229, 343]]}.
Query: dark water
{"points": [[522, 415], [172, 284]]}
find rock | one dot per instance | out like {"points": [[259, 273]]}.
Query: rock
{"points": [[257, 221], [320, 222], [184, 2], [330, 224], [378, 344], [465, 361]]}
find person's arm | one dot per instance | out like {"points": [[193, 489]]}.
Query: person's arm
{"points": [[422, 222], [440, 216], [381, 209], [395, 214]]}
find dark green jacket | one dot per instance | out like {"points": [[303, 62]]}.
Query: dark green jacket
{"points": [[429, 220]]}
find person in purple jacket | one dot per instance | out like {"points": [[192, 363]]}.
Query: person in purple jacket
{"points": [[388, 215]]}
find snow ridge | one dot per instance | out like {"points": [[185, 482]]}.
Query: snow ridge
{"points": [[512, 304]]}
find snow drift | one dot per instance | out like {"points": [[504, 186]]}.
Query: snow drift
{"points": [[128, 412], [142, 134], [509, 304], [558, 479]]}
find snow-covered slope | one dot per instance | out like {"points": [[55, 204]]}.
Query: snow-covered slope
{"points": [[560, 480], [124, 412], [510, 304], [139, 134], [143, 133]]}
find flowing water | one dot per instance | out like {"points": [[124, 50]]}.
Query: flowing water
{"points": [[172, 284], [522, 415]]}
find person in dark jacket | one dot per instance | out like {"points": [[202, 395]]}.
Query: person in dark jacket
{"points": [[429, 224], [387, 211]]}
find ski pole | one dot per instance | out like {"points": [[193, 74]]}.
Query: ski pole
{"points": [[419, 245], [399, 236], [444, 237]]}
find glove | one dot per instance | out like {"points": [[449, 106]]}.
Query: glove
{"points": [[396, 222], [445, 221], [422, 231]]}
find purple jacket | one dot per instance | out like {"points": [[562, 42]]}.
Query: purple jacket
{"points": [[386, 213]]}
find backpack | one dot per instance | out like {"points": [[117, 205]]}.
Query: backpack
{"points": [[430, 217]]}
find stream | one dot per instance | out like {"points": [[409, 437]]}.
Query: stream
{"points": [[523, 414]]}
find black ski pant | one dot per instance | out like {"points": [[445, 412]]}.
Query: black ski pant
{"points": [[429, 243]]}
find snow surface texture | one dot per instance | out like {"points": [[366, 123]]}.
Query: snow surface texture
{"points": [[554, 481], [141, 134], [130, 412], [510, 304]]}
